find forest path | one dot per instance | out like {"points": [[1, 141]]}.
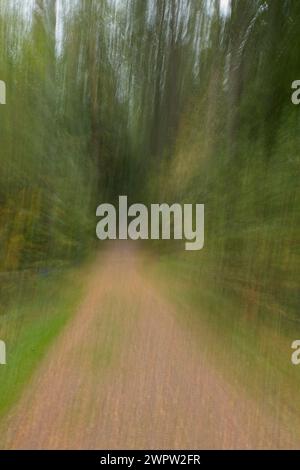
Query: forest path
{"points": [[124, 374]]}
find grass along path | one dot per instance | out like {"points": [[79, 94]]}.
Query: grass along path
{"points": [[41, 309], [125, 373]]}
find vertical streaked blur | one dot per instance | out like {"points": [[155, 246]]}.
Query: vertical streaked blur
{"points": [[183, 101]]}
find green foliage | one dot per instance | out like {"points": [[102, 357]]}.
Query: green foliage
{"points": [[39, 311], [237, 150], [162, 101]]}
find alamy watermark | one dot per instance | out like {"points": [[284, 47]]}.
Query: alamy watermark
{"points": [[295, 358], [2, 353], [2, 92], [295, 98], [164, 222]]}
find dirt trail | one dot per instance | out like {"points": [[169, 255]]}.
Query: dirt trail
{"points": [[124, 374]]}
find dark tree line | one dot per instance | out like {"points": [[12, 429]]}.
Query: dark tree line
{"points": [[185, 100]]}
